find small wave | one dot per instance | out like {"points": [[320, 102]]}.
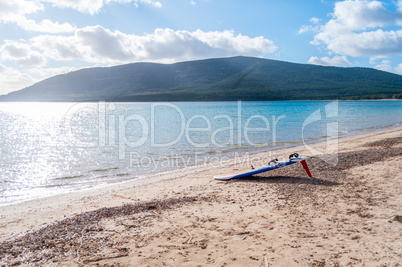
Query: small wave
{"points": [[49, 186], [217, 152], [105, 170], [69, 177], [6, 181], [285, 143], [122, 174]]}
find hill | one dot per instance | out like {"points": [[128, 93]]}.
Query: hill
{"points": [[221, 79]]}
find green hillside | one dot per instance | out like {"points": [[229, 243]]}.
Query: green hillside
{"points": [[222, 79]]}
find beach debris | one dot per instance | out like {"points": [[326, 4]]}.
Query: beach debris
{"points": [[386, 143], [398, 218], [81, 236], [188, 241], [112, 256]]}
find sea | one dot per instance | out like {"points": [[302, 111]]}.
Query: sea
{"points": [[54, 148]]}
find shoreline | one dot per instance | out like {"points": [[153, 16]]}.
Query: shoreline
{"points": [[252, 152], [62, 173], [172, 174], [18, 219], [189, 101]]}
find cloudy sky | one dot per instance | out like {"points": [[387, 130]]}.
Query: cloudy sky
{"points": [[42, 38]]}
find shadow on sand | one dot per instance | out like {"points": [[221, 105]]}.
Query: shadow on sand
{"points": [[287, 180]]}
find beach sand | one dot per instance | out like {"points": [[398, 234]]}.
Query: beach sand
{"points": [[349, 213]]}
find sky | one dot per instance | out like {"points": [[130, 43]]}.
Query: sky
{"points": [[43, 38]]}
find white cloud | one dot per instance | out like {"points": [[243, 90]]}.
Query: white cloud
{"points": [[94, 6], [242, 44], [46, 26], [12, 79], [17, 11], [43, 73], [106, 44], [148, 2], [398, 69], [22, 54], [61, 47], [356, 30], [308, 28], [99, 45], [377, 43], [385, 65], [315, 20], [326, 61], [314, 28], [136, 2], [85, 6], [10, 9], [356, 15]]}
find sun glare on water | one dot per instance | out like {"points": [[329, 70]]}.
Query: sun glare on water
{"points": [[35, 109], [34, 149]]}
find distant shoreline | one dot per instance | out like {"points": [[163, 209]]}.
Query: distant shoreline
{"points": [[196, 101]]}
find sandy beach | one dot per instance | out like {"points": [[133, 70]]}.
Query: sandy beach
{"points": [[348, 213]]}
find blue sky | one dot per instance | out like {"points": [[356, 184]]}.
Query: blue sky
{"points": [[43, 38]]}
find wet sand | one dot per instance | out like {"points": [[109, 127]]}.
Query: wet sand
{"points": [[349, 213]]}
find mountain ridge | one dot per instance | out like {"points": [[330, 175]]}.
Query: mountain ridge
{"points": [[216, 79]]}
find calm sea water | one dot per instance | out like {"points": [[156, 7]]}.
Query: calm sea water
{"points": [[51, 148]]}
